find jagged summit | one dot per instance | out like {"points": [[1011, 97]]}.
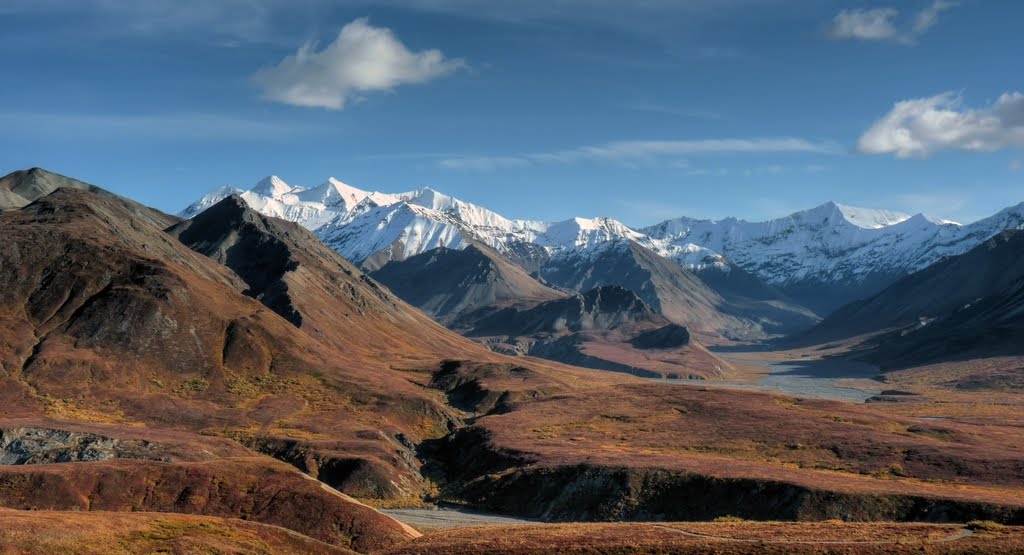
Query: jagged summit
{"points": [[272, 186], [867, 218]]}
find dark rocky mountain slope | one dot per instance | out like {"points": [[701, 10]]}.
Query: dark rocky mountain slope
{"points": [[607, 328], [294, 274], [963, 308], [677, 293], [457, 287], [20, 188], [928, 298]]}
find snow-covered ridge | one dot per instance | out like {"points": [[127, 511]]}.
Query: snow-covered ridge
{"points": [[869, 218], [360, 224], [834, 243], [831, 243]]}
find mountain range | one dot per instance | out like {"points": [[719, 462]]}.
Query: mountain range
{"points": [[821, 258]]}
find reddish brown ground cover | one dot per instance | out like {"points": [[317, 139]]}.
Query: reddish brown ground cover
{"points": [[104, 533], [720, 538], [110, 326], [257, 489], [621, 451]]}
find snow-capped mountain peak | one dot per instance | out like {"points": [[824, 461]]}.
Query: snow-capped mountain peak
{"points": [[209, 199], [333, 193], [585, 232], [272, 186], [429, 198], [865, 218], [870, 218]]}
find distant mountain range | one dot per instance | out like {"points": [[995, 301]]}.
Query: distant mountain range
{"points": [[821, 258]]}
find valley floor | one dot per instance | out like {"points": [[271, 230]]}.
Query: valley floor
{"points": [[796, 374], [442, 518]]}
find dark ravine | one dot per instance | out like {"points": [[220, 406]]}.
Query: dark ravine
{"points": [[511, 483], [587, 493]]}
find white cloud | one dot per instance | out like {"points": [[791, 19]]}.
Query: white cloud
{"points": [[1015, 165], [633, 152], [881, 23], [928, 17], [873, 24], [920, 127], [362, 59]]}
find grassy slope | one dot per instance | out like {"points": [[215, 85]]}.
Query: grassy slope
{"points": [[722, 538], [39, 532]]}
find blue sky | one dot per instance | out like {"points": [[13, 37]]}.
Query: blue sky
{"points": [[536, 109]]}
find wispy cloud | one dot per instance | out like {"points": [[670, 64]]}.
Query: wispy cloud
{"points": [[186, 126], [362, 59], [609, 12], [484, 163], [928, 17], [227, 22], [634, 152], [759, 171], [233, 22], [882, 23], [922, 126]]}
